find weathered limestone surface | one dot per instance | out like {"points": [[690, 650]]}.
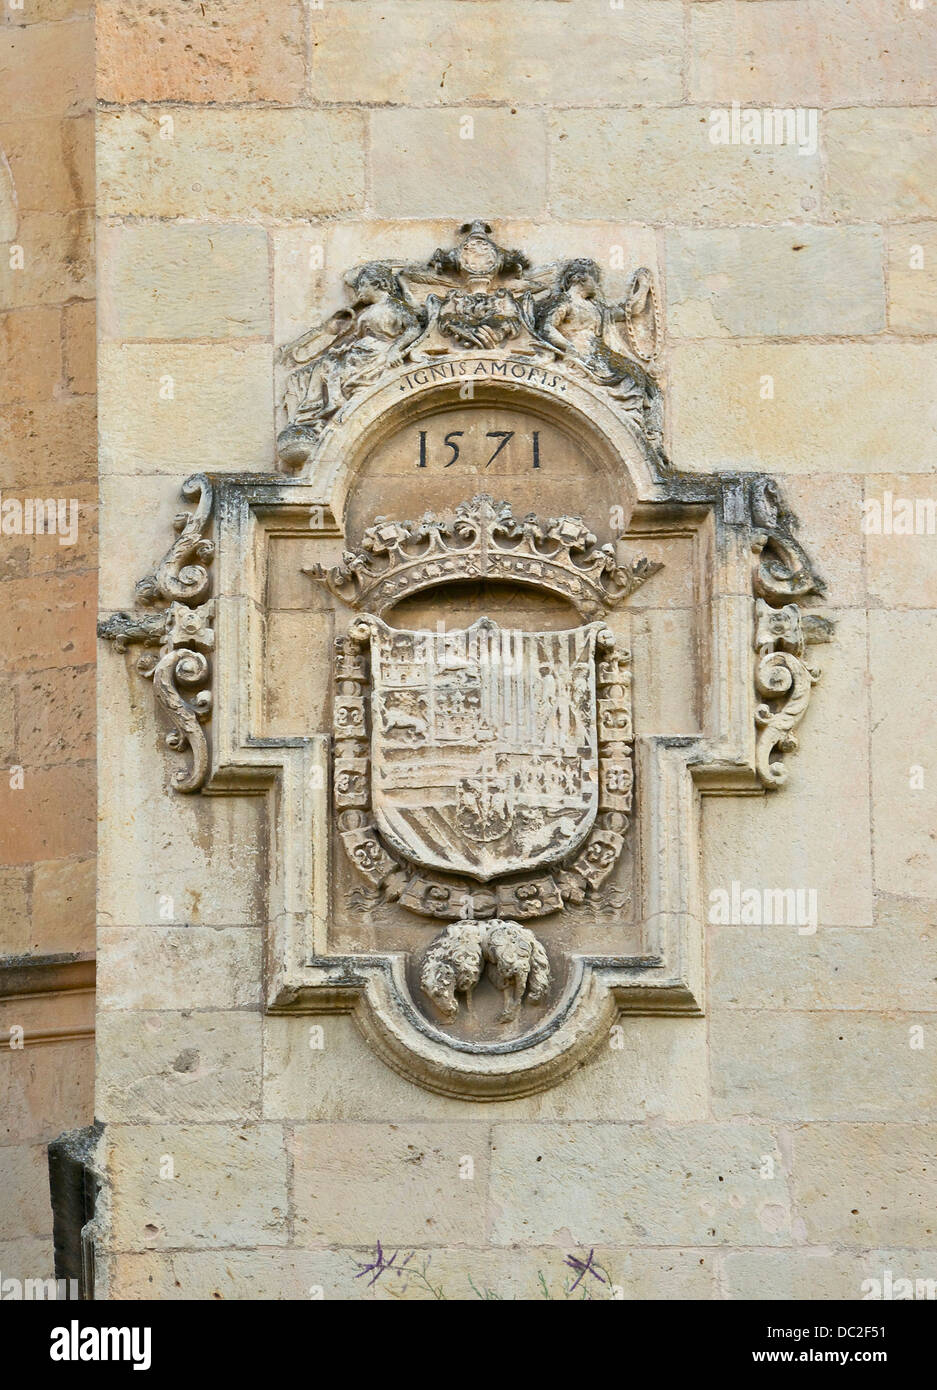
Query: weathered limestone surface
{"points": [[249, 52], [154, 401], [781, 1145], [50, 161], [902, 568], [59, 266], [905, 849], [202, 1065], [752, 1052], [47, 609], [775, 282], [351, 1180], [819, 1274], [423, 164], [767, 53], [509, 54], [881, 163], [658, 165], [171, 1182], [890, 966], [912, 278], [722, 402], [45, 68], [48, 605], [199, 281], [465, 1273], [855, 1183], [245, 163], [26, 1170], [695, 1185], [179, 967], [658, 1073]]}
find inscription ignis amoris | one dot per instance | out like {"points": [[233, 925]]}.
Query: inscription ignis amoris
{"points": [[483, 775], [476, 296]]}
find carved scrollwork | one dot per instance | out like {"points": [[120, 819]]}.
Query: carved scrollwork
{"points": [[782, 570], [784, 682], [185, 667], [182, 634], [781, 573], [176, 578]]}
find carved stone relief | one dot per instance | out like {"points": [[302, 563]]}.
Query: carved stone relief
{"points": [[475, 296], [476, 851], [181, 632], [783, 681], [499, 758]]}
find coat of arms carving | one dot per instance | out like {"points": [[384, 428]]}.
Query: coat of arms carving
{"points": [[483, 730], [483, 774]]}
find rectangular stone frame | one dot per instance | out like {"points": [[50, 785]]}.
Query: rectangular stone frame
{"points": [[294, 771]]}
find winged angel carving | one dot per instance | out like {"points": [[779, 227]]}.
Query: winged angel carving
{"points": [[476, 296]]}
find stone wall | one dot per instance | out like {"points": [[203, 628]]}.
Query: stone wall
{"points": [[47, 607], [785, 1143]]}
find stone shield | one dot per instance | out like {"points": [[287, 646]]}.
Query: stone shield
{"points": [[484, 755]]}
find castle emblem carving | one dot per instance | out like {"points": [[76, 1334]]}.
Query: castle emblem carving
{"points": [[483, 744]]}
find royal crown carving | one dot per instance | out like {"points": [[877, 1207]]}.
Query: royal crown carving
{"points": [[483, 540]]}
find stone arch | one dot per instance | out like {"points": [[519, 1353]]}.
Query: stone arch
{"points": [[618, 469]]}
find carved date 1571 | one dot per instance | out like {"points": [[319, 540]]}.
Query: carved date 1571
{"points": [[499, 438]]}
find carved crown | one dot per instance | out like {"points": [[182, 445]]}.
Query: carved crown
{"points": [[483, 541]]}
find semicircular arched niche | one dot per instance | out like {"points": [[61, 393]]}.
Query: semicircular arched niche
{"points": [[505, 441]]}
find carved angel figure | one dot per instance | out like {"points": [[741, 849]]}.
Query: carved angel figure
{"points": [[576, 320], [373, 334]]}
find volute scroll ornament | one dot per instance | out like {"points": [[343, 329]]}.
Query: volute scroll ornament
{"points": [[177, 637], [782, 573], [783, 681]]}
